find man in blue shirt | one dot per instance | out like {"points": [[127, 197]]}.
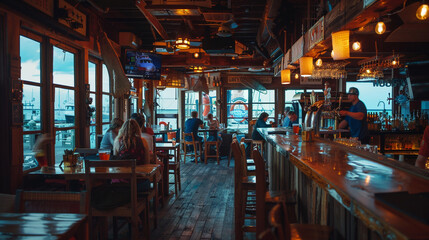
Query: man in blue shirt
{"points": [[355, 118], [291, 118], [192, 125]]}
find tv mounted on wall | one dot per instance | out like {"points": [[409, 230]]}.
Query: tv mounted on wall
{"points": [[142, 65]]}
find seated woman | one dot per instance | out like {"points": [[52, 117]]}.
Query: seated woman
{"points": [[146, 132], [261, 123], [110, 135], [129, 145], [213, 124]]}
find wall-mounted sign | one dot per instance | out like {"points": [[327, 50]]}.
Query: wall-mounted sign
{"points": [[71, 17], [317, 32], [243, 78], [389, 82], [46, 6]]}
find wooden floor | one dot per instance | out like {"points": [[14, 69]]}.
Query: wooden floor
{"points": [[204, 208]]}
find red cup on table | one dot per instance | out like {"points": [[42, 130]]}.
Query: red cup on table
{"points": [[295, 128], [104, 154]]}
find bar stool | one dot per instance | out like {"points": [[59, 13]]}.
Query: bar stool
{"points": [[194, 144], [259, 144], [207, 148]]}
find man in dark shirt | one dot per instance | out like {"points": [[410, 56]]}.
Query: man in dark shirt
{"points": [[192, 125], [291, 118], [356, 117]]}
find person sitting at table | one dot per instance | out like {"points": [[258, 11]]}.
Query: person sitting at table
{"points": [[291, 118], [146, 133], [213, 124], [261, 123], [192, 125], [128, 144], [111, 133]]}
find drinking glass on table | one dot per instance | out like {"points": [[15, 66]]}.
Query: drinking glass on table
{"points": [[295, 128], [104, 154]]}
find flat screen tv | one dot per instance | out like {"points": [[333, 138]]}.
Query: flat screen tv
{"points": [[142, 65]]}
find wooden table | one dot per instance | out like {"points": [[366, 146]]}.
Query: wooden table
{"points": [[43, 226], [167, 147]]}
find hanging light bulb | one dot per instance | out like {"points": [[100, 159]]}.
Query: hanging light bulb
{"points": [[422, 12], [332, 53], [196, 55], [380, 28], [296, 75], [319, 62], [356, 46]]}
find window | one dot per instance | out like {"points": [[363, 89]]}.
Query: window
{"points": [[374, 98], [209, 104], [92, 79], [237, 109], [106, 100], [293, 106], [263, 101], [64, 104], [167, 109], [31, 99], [191, 103]]}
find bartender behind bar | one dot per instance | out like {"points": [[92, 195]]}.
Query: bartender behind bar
{"points": [[356, 117]]}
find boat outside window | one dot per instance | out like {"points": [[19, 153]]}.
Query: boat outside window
{"points": [[64, 105]]}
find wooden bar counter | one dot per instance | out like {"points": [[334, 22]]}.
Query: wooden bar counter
{"points": [[336, 184]]}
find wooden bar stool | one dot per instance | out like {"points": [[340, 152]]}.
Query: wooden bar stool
{"points": [[259, 144], [194, 144], [282, 229], [207, 148]]}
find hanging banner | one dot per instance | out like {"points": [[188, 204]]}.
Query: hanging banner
{"points": [[297, 50], [317, 32]]}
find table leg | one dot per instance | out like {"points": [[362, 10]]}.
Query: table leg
{"points": [[165, 179]]}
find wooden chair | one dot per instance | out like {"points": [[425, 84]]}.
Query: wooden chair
{"points": [[98, 170], [207, 148], [51, 202], [283, 230], [86, 151], [194, 143], [259, 144], [174, 168], [7, 203]]}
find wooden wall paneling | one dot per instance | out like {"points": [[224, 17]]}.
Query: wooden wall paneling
{"points": [[12, 67], [5, 133], [82, 131]]}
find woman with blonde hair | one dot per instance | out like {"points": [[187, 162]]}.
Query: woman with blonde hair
{"points": [[128, 144]]}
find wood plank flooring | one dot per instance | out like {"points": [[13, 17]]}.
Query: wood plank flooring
{"points": [[204, 208]]}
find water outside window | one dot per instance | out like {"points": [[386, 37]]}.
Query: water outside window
{"points": [[237, 109], [31, 107]]}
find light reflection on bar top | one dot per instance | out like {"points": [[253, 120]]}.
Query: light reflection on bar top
{"points": [[351, 170]]}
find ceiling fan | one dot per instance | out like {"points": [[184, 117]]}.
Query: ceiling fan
{"points": [[225, 28]]}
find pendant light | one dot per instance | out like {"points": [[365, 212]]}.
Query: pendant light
{"points": [[306, 66], [380, 27], [422, 12], [183, 43], [296, 75], [341, 45], [285, 76]]}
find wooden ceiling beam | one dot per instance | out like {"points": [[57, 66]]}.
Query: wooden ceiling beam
{"points": [[212, 61]]}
